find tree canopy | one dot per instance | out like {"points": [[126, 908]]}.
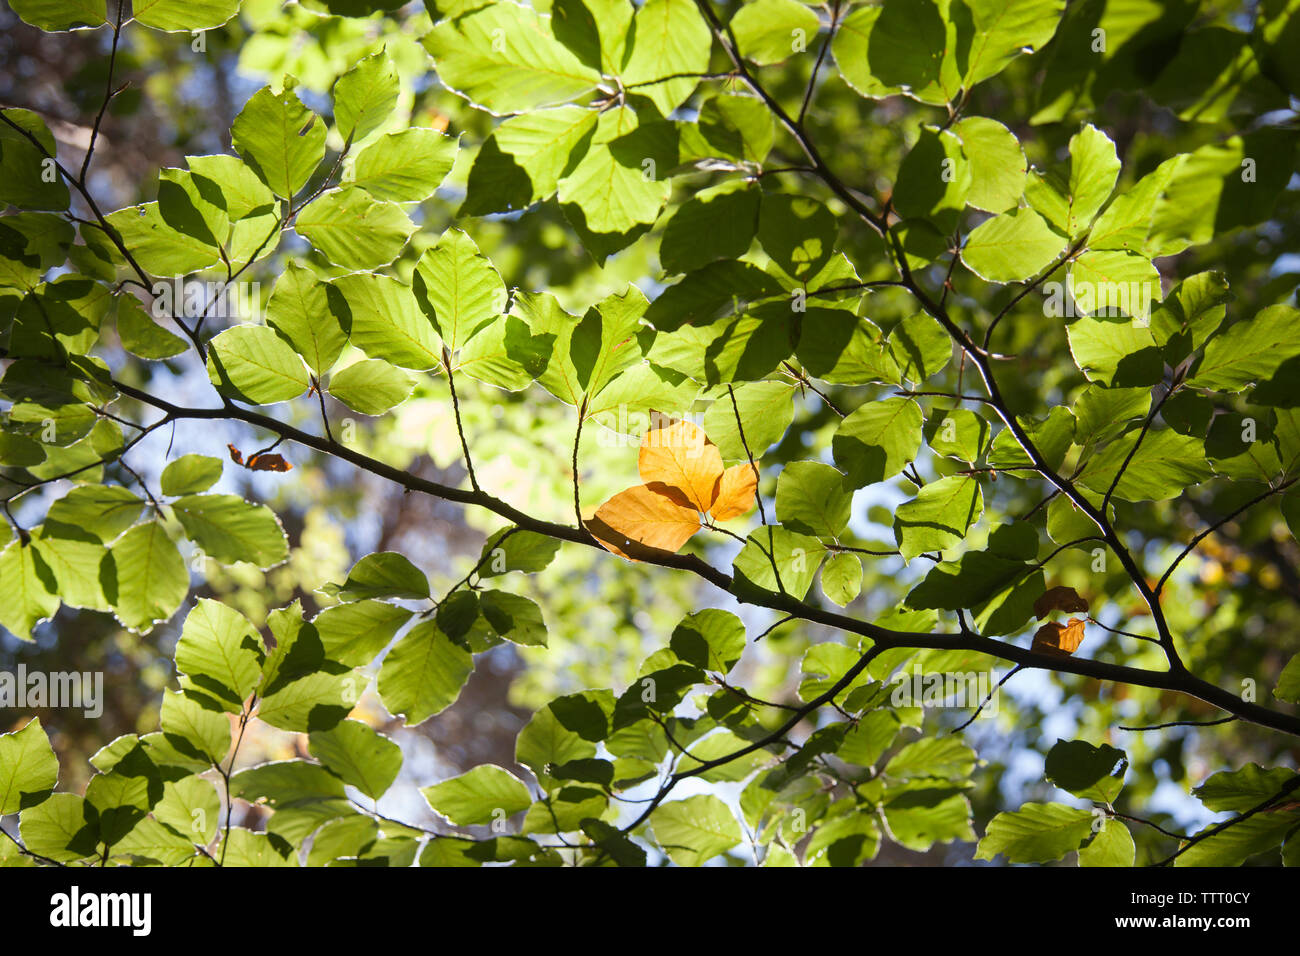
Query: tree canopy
{"points": [[611, 433]]}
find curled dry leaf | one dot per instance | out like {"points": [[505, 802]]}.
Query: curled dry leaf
{"points": [[1059, 598], [259, 461], [1062, 640]]}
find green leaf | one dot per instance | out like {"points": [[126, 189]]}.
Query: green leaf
{"points": [[514, 618], [877, 440], [1051, 435], [352, 634], [619, 184], [1115, 351], [160, 249], [920, 347], [997, 163], [23, 170], [958, 433], [769, 31], [300, 310], [545, 741], [1241, 790], [183, 16], [190, 806], [221, 654], [1114, 283], [190, 474], [317, 701], [1036, 833], [104, 511], [407, 166], [695, 830], [358, 756], [595, 30], [240, 847], [365, 97], [516, 550], [1012, 246], [710, 639], [384, 574], [386, 322], [58, 15], [668, 37], [423, 674], [1288, 682], [371, 386], [1126, 220], [253, 364], [1249, 351], [354, 230], [842, 578], [525, 158], [1094, 773], [1003, 29], [934, 178], [1094, 169], [1164, 466], [504, 59], [28, 768], [944, 758], [74, 558], [482, 795], [280, 139], [1209, 195], [457, 288], [843, 349], [939, 516], [798, 233], [796, 558], [1102, 413], [145, 578], [1112, 846], [766, 410], [1261, 833], [230, 529], [30, 588], [813, 498], [63, 828], [715, 223], [193, 729], [140, 335]]}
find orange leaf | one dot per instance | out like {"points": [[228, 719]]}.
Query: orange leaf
{"points": [[1059, 599], [642, 518], [1062, 640], [736, 492], [682, 458]]}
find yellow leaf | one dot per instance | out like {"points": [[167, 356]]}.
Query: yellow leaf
{"points": [[736, 492], [642, 519], [682, 458], [1061, 640]]}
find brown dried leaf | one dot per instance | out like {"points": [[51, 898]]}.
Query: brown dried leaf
{"points": [[1060, 598], [1061, 640]]}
